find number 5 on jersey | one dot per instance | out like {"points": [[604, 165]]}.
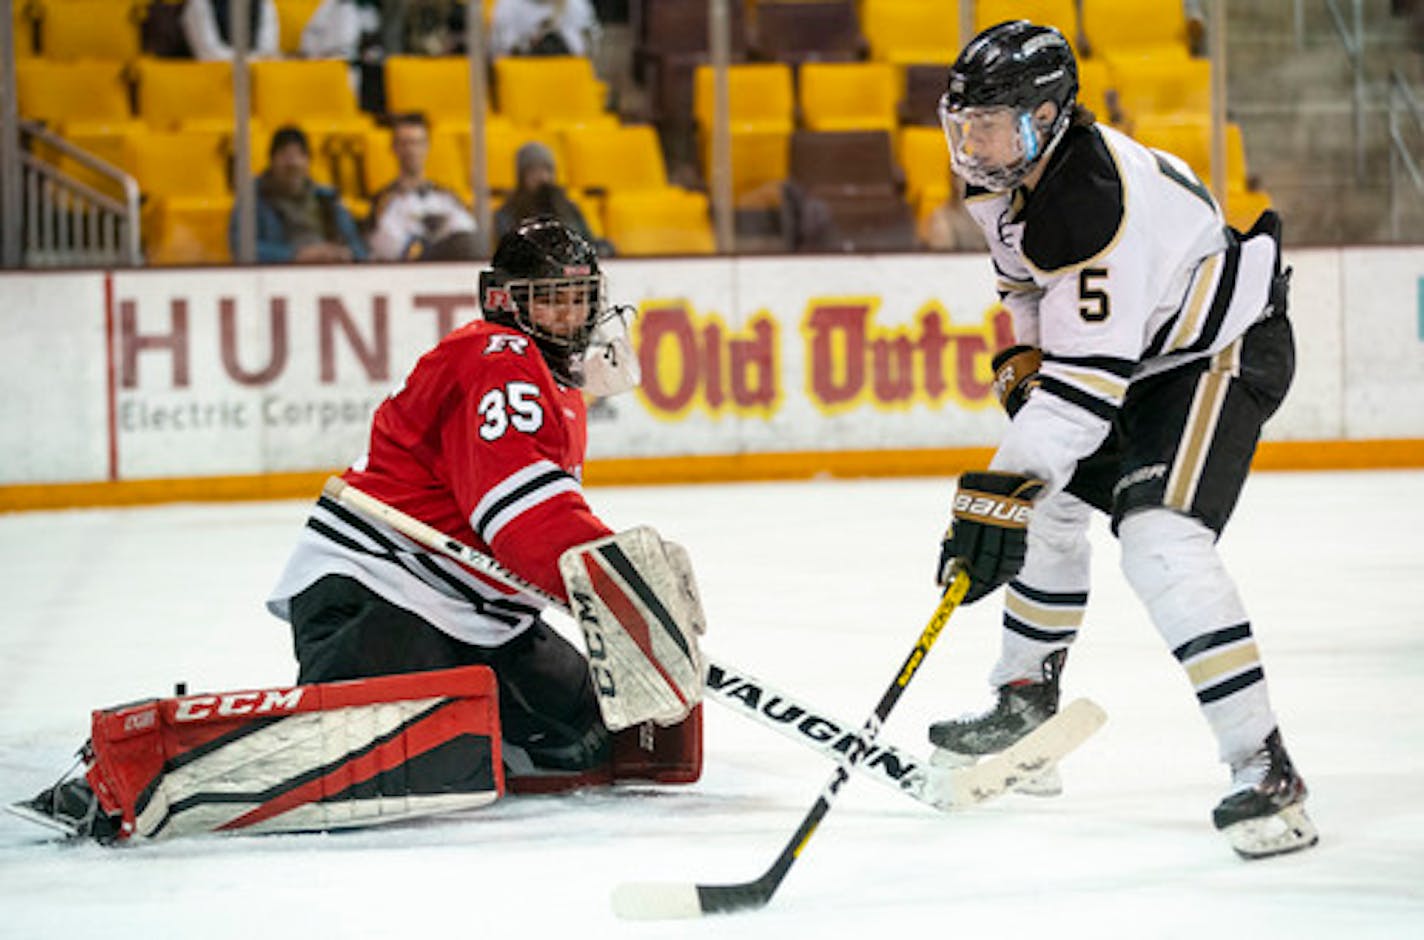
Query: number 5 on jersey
{"points": [[516, 404]]}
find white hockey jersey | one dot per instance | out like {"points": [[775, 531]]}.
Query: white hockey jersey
{"points": [[1118, 265]]}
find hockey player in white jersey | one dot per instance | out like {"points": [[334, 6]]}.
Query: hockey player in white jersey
{"points": [[1153, 344]]}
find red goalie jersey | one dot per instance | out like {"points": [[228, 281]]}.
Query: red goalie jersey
{"points": [[479, 442]]}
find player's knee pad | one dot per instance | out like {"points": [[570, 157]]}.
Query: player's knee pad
{"points": [[1172, 563], [1059, 554]]}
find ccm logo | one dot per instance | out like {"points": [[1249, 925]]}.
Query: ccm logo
{"points": [[978, 506], [237, 703], [137, 721]]}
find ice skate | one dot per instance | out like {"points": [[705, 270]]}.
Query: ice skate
{"points": [[1264, 814], [69, 807], [1022, 706]]}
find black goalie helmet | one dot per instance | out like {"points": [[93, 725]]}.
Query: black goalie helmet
{"points": [[995, 87], [544, 281]]}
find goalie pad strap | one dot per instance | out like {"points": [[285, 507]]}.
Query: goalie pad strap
{"points": [[334, 755]]}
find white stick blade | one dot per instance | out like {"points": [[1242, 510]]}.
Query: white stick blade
{"points": [[1041, 749], [656, 900]]}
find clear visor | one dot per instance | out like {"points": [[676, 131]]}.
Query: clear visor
{"points": [[563, 311], [990, 147]]}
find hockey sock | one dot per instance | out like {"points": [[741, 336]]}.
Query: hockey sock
{"points": [[1172, 563]]}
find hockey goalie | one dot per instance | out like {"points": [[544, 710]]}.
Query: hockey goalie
{"points": [[423, 686]]}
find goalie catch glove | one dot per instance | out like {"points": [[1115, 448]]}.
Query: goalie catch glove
{"points": [[989, 533]]}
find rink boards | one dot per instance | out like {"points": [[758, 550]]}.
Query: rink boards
{"points": [[254, 382]]}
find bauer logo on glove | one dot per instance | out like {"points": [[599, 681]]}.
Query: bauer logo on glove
{"points": [[989, 534]]}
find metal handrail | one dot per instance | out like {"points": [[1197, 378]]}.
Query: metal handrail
{"points": [[1402, 103], [1353, 39], [68, 222]]}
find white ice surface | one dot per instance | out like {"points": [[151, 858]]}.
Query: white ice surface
{"points": [[819, 588]]}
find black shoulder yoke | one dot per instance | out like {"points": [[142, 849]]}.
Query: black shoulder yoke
{"points": [[1077, 209]]}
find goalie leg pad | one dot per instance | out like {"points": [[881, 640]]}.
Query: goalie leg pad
{"points": [[637, 605], [309, 757], [660, 755]]}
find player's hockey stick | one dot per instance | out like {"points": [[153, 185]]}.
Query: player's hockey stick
{"points": [[942, 788], [664, 900], [937, 787]]}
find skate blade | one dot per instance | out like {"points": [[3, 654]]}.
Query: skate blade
{"points": [[1289, 830], [28, 812]]}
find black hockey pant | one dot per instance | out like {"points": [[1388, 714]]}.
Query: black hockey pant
{"points": [[547, 705]]}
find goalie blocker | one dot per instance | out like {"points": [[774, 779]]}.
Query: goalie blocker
{"points": [[636, 601]]}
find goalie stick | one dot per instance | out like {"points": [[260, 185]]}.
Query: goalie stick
{"points": [[665, 900], [937, 787]]}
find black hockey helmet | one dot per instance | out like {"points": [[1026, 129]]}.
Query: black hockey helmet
{"points": [[544, 281], [1008, 71]]}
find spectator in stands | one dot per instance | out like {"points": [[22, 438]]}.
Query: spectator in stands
{"points": [[351, 30], [425, 27], [537, 196], [543, 27], [298, 219], [412, 217], [207, 26]]}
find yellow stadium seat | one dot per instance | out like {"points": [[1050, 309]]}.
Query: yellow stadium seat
{"points": [[759, 96], [176, 163], [548, 91], [180, 92], [592, 208], [1189, 136], [187, 230], [667, 221], [621, 159], [924, 158], [187, 203], [316, 96], [907, 32], [1094, 86], [761, 161], [90, 29], [502, 142], [1148, 84], [86, 102], [447, 163], [72, 91], [849, 96], [1062, 14], [292, 17], [761, 109], [1244, 206], [436, 86], [1114, 27], [296, 92]]}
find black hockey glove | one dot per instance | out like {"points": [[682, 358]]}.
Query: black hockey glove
{"points": [[989, 533], [1015, 375]]}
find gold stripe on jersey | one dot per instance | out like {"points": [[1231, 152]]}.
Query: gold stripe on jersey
{"points": [[1201, 426], [1104, 384], [1007, 286], [1189, 318], [1234, 660], [1042, 615]]}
